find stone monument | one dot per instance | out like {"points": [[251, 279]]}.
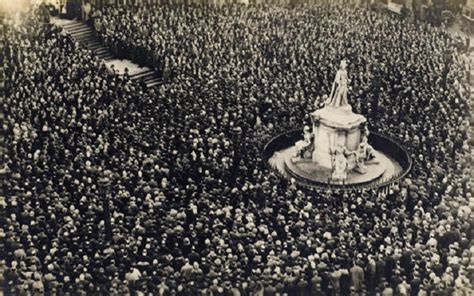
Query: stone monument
{"points": [[334, 152], [338, 136]]}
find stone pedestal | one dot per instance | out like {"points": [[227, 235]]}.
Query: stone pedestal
{"points": [[333, 125]]}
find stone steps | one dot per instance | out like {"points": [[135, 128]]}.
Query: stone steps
{"points": [[153, 83], [85, 35], [143, 75]]}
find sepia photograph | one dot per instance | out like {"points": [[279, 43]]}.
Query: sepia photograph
{"points": [[237, 147]]}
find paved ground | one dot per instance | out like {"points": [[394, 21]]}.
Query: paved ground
{"points": [[120, 65], [61, 22]]}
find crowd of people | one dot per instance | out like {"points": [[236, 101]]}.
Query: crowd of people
{"points": [[194, 208]]}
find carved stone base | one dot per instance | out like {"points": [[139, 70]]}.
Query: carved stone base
{"points": [[310, 172], [332, 126]]}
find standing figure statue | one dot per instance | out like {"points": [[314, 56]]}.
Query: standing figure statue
{"points": [[340, 164], [338, 97], [340, 159]]}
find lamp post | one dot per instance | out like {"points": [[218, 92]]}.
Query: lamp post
{"points": [[104, 184]]}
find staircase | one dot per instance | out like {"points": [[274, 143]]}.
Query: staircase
{"points": [[86, 37], [148, 76]]}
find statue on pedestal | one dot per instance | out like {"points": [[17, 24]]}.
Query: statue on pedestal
{"points": [[335, 149], [338, 97]]}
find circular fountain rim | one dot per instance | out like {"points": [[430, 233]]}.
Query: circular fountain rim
{"points": [[405, 164]]}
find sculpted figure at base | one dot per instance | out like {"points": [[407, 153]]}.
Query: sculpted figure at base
{"points": [[340, 161], [366, 152], [304, 145], [338, 97], [340, 164]]}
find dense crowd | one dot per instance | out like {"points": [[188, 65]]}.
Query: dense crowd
{"points": [[194, 207]]}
